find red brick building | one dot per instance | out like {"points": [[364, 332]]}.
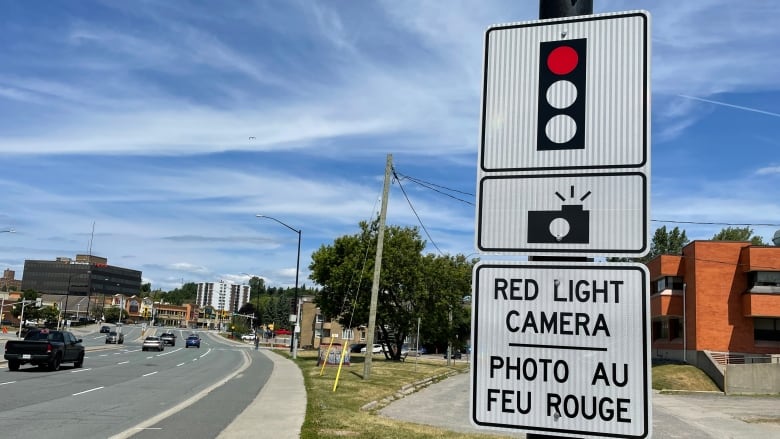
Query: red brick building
{"points": [[720, 296]]}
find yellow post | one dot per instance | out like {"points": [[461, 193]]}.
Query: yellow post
{"points": [[338, 374], [327, 353]]}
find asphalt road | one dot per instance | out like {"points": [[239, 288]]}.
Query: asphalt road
{"points": [[680, 416], [122, 391]]}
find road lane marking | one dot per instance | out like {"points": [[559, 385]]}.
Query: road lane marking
{"points": [[186, 403], [180, 364], [7, 382], [150, 373], [80, 370], [123, 362], [87, 391]]}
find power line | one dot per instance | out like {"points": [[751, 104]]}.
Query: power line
{"points": [[415, 213], [433, 187], [715, 223]]}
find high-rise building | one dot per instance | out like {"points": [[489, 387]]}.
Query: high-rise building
{"points": [[223, 297]]}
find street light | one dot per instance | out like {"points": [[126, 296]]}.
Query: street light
{"points": [[293, 347]]}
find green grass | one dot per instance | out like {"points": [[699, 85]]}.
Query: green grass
{"points": [[338, 414], [681, 377]]}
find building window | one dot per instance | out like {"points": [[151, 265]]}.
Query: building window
{"points": [[764, 278], [660, 330], [319, 318], [668, 283], [766, 329], [676, 328], [347, 334]]}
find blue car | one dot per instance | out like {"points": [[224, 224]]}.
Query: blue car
{"points": [[193, 340]]}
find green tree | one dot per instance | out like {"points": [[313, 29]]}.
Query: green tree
{"points": [[31, 312], [738, 234], [411, 285], [179, 296], [664, 243]]}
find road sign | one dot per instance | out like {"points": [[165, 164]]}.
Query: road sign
{"points": [[561, 349], [567, 98], [575, 213]]}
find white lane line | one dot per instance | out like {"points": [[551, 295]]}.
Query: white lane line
{"points": [[103, 355], [80, 370], [87, 391], [150, 373], [186, 403], [7, 382], [180, 364], [123, 362]]}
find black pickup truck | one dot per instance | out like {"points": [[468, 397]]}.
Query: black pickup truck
{"points": [[46, 349]]}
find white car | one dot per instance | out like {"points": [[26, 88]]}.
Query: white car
{"points": [[248, 337], [376, 349]]}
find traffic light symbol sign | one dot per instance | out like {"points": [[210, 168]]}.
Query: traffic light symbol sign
{"points": [[561, 109]]}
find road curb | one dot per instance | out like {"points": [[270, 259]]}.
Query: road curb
{"points": [[408, 389]]}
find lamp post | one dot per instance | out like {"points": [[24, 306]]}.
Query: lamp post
{"points": [[293, 347]]}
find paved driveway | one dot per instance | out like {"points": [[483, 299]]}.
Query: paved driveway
{"points": [[446, 403]]}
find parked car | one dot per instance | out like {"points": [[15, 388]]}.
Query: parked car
{"points": [[105, 329], [248, 337], [456, 355], [376, 349], [152, 342], [115, 337], [356, 347], [168, 338], [192, 340]]}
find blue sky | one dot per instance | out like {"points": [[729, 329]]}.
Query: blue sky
{"points": [[170, 124]]}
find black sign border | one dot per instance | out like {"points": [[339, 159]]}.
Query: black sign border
{"points": [[475, 352]]}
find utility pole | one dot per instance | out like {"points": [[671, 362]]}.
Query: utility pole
{"points": [[558, 9], [380, 240]]}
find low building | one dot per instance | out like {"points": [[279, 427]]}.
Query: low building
{"points": [[720, 297]]}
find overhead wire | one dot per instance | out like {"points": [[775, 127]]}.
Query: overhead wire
{"points": [[415, 212], [436, 188]]}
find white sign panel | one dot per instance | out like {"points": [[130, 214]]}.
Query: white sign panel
{"points": [[568, 93], [561, 349], [585, 213], [567, 97]]}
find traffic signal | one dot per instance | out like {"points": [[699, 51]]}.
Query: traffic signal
{"points": [[562, 92]]}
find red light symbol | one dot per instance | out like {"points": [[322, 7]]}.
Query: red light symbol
{"points": [[562, 60]]}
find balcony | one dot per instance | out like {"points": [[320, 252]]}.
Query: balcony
{"points": [[666, 303], [761, 304]]}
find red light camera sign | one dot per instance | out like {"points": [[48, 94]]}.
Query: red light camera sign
{"points": [[566, 104]]}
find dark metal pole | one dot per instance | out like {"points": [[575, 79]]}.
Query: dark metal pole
{"points": [[293, 348], [297, 323], [558, 9], [564, 8]]}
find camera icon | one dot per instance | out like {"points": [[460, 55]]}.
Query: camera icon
{"points": [[570, 225]]}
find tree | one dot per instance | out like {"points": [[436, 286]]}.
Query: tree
{"points": [[664, 243], [31, 312], [738, 234], [411, 285]]}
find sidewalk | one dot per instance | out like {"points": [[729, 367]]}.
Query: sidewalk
{"points": [[285, 392]]}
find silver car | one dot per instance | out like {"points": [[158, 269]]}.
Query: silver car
{"points": [[152, 342], [115, 337]]}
